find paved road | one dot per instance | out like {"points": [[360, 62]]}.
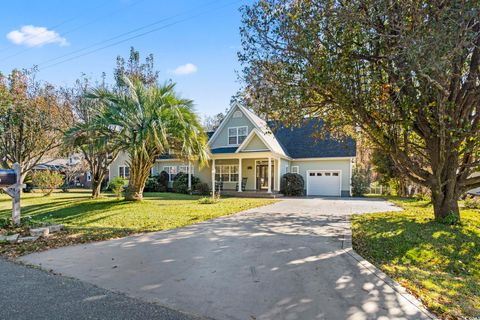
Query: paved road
{"points": [[28, 293], [283, 261]]}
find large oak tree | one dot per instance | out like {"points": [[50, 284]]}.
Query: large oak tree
{"points": [[406, 73]]}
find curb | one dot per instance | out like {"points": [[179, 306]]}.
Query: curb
{"points": [[347, 247]]}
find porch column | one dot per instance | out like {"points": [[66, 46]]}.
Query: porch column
{"points": [[278, 175], [189, 176], [240, 175], [213, 176], [269, 175]]}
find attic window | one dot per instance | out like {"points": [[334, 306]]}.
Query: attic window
{"points": [[236, 135], [237, 114]]}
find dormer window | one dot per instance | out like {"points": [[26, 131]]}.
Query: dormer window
{"points": [[236, 135]]}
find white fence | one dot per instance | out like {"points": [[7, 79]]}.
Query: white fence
{"points": [[378, 189]]}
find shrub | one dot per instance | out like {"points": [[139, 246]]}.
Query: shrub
{"points": [[180, 182], [208, 200], [28, 184], [472, 203], [360, 182], [117, 186], [202, 188], [157, 183], [292, 184], [47, 180]]}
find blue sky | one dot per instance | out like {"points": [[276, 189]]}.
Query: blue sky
{"points": [[198, 52]]}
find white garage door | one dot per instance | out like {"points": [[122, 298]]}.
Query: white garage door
{"points": [[323, 183]]}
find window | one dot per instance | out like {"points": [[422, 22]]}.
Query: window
{"points": [[89, 176], [295, 169], [226, 173], [319, 174], [335, 174], [184, 169], [124, 172], [312, 174], [236, 135], [172, 172], [327, 174]]}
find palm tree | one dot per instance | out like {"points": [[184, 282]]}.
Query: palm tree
{"points": [[146, 122]]}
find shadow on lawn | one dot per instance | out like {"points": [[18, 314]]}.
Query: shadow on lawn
{"points": [[432, 255], [65, 209]]}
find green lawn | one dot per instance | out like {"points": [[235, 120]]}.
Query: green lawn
{"points": [[438, 263], [105, 218]]}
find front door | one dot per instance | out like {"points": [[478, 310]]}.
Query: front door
{"points": [[262, 176]]}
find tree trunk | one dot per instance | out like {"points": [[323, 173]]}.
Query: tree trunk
{"points": [[96, 188], [140, 169], [445, 204], [98, 174], [133, 192]]}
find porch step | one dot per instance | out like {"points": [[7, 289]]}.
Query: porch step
{"points": [[251, 194]]}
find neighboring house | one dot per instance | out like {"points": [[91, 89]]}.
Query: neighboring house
{"points": [[475, 191], [245, 148], [73, 168]]}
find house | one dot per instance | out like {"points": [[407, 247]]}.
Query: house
{"points": [[72, 167], [476, 191], [246, 148]]}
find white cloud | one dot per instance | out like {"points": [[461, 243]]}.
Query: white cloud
{"points": [[185, 69], [33, 36]]}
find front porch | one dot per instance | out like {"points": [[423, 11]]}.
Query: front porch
{"points": [[246, 174], [251, 194]]}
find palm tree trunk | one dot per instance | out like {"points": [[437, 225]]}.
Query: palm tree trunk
{"points": [[139, 171]]}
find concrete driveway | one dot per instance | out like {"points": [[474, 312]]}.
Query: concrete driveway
{"points": [[289, 260]]}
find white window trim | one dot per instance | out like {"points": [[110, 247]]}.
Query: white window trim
{"points": [[89, 176], [236, 135], [184, 169], [295, 169], [124, 176], [219, 170], [168, 171]]}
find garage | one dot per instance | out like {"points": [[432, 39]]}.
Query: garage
{"points": [[324, 182]]}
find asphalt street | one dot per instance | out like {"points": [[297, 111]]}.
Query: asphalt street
{"points": [[30, 293]]}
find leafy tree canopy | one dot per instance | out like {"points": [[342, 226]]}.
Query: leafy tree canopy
{"points": [[405, 73]]}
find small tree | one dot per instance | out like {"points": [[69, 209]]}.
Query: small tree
{"points": [[360, 182], [47, 181], [90, 137], [33, 117], [117, 186], [387, 172]]}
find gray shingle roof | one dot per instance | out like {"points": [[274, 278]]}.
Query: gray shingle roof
{"points": [[224, 150], [299, 142]]}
